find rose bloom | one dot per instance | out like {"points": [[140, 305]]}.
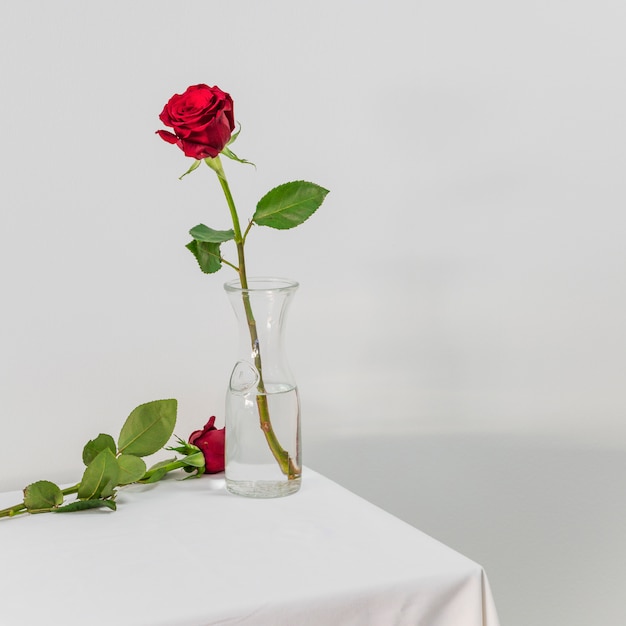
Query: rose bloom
{"points": [[202, 118], [211, 441]]}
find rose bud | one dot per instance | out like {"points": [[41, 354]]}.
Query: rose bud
{"points": [[202, 118], [211, 441]]}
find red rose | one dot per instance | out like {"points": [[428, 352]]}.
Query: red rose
{"points": [[202, 119], [211, 441]]}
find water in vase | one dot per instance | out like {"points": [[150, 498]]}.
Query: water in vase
{"points": [[251, 468]]}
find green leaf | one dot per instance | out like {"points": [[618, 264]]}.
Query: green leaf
{"points": [[163, 463], [82, 505], [204, 233], [42, 496], [97, 445], [132, 468], [154, 478], [159, 469], [148, 428], [207, 254], [193, 167], [100, 477], [289, 205]]}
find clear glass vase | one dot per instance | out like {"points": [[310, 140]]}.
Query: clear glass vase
{"points": [[262, 403]]}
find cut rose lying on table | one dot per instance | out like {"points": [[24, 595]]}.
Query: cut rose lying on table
{"points": [[109, 465]]}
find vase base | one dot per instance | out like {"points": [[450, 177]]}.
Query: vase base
{"points": [[263, 488]]}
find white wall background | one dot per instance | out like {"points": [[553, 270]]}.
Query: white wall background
{"points": [[459, 334]]}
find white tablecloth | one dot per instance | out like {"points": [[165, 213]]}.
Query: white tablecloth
{"points": [[190, 554]]}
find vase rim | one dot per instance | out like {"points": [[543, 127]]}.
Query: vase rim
{"points": [[262, 283]]}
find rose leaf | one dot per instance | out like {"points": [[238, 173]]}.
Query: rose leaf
{"points": [[207, 255], [42, 496], [131, 467], [100, 477], [157, 471], [204, 233], [289, 205], [154, 478], [81, 505], [97, 445], [148, 428]]}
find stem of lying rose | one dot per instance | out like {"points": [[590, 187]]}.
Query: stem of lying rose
{"points": [[13, 510], [16, 509], [287, 465]]}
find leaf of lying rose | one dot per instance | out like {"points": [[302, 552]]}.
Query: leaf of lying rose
{"points": [[157, 471], [289, 205], [207, 254], [95, 446], [148, 427], [132, 468], [100, 477], [82, 505], [42, 495]]}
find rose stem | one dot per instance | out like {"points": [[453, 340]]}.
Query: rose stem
{"points": [[286, 463], [13, 510]]}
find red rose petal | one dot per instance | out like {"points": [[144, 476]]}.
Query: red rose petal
{"points": [[167, 136]]}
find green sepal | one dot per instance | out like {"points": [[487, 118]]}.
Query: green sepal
{"points": [[148, 428], [234, 136], [194, 166], [82, 505], [183, 447], [227, 152], [132, 468], [100, 477], [289, 205], [207, 255], [210, 235], [194, 460], [42, 495], [95, 446]]}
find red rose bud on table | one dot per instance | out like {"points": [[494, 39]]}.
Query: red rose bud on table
{"points": [[202, 118], [210, 440]]}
